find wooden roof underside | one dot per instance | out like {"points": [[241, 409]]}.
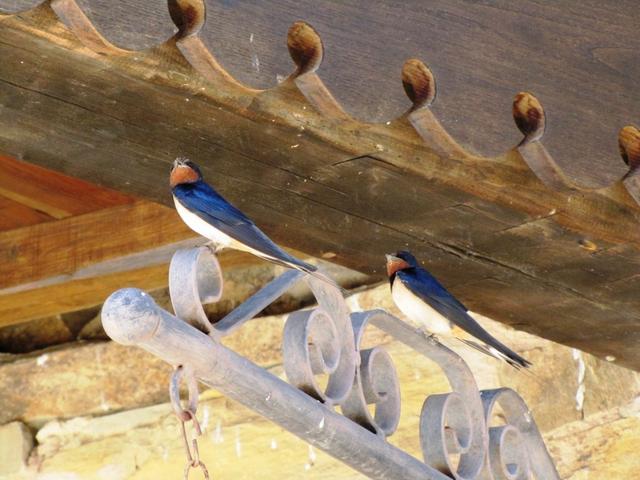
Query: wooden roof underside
{"points": [[549, 257]]}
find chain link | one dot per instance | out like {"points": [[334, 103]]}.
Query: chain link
{"points": [[186, 415]]}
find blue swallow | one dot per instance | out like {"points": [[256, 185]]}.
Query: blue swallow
{"points": [[209, 214], [424, 300]]}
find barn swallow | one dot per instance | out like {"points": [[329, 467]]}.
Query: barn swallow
{"points": [[424, 300], [209, 214]]}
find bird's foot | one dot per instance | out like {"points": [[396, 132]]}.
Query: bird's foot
{"points": [[429, 336], [215, 248]]}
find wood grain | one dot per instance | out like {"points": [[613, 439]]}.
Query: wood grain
{"points": [[75, 295], [482, 54], [16, 215], [52, 193], [62, 247]]}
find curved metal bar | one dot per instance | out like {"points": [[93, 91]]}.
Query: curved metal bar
{"points": [[461, 380], [195, 278], [178, 375], [518, 416], [131, 317], [311, 346], [257, 302], [375, 383], [326, 341]]}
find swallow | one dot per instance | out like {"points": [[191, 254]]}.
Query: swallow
{"points": [[424, 300], [206, 212]]}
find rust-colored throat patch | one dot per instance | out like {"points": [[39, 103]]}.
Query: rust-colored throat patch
{"points": [[183, 174]]}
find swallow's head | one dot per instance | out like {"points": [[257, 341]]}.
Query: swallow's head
{"points": [[400, 261], [184, 171]]}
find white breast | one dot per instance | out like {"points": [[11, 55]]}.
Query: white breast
{"points": [[419, 311], [203, 228]]}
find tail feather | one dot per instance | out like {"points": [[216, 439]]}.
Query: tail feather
{"points": [[505, 354]]}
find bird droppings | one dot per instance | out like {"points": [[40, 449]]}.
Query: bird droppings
{"points": [[580, 391], [206, 411], [379, 147], [274, 444], [104, 405], [113, 471], [610, 358], [42, 360], [588, 245], [311, 458], [321, 424], [238, 444], [165, 453], [354, 304], [329, 255], [255, 62], [58, 476], [216, 436], [267, 397], [295, 146]]}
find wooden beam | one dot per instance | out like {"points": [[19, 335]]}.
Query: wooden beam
{"points": [[52, 193], [16, 215], [90, 286], [70, 296], [61, 248], [559, 263]]}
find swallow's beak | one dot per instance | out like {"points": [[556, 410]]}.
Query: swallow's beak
{"points": [[395, 264], [391, 258]]}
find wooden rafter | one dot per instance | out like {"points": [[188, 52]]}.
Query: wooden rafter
{"points": [[556, 261]]}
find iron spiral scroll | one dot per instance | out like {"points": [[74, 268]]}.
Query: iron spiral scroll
{"points": [[326, 340]]}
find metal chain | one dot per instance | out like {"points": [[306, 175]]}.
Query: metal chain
{"points": [[187, 415]]}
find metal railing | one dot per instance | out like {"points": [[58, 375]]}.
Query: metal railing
{"points": [[456, 438]]}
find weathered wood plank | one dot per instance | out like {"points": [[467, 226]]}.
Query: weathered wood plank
{"points": [[313, 182], [57, 195], [61, 248], [91, 286], [16, 215], [482, 55], [75, 295]]}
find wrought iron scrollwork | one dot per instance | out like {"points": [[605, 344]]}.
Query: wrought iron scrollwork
{"points": [[457, 435]]}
